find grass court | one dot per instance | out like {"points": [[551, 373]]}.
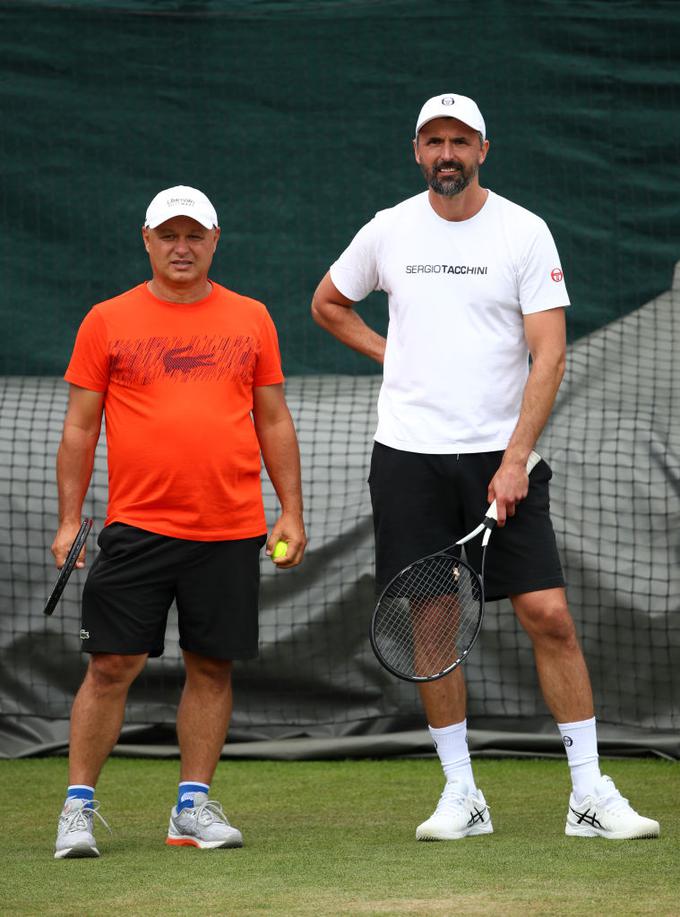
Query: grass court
{"points": [[336, 838]]}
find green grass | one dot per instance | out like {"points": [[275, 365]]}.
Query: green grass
{"points": [[335, 838]]}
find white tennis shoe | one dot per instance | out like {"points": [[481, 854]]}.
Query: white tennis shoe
{"points": [[459, 813], [75, 837], [607, 814], [205, 826]]}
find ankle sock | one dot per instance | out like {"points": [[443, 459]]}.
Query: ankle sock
{"points": [[452, 747], [186, 792], [80, 791]]}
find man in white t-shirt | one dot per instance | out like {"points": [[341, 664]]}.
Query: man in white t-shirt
{"points": [[475, 286]]}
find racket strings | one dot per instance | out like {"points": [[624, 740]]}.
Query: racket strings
{"points": [[428, 617]]}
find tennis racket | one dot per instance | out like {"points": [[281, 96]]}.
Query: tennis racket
{"points": [[69, 564], [429, 615]]}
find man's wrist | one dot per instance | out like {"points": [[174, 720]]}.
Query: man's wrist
{"points": [[294, 513], [70, 519], [517, 456]]}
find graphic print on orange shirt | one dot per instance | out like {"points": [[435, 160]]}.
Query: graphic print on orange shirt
{"points": [[197, 359]]}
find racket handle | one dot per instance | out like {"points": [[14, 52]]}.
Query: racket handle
{"points": [[532, 461], [491, 517]]}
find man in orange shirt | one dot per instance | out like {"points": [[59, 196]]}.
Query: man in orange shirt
{"points": [[188, 375]]}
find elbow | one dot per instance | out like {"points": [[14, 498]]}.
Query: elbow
{"points": [[550, 367], [318, 313]]}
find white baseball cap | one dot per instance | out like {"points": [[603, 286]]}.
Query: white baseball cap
{"points": [[450, 105], [181, 201]]}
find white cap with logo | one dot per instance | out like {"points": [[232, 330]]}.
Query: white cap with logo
{"points": [[450, 105], [181, 201]]}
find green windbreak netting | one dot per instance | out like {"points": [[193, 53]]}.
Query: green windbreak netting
{"points": [[296, 119]]}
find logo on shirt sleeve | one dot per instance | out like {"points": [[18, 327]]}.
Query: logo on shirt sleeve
{"points": [[557, 274]]}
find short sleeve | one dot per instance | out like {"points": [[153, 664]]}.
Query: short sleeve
{"points": [[89, 366], [541, 278], [268, 370], [355, 273]]}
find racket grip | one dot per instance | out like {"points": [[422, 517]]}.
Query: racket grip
{"points": [[491, 517], [532, 461]]}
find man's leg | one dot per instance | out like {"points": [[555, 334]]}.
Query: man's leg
{"points": [[462, 809], [444, 700], [96, 721], [444, 704], [564, 680], [562, 671], [596, 808], [202, 722], [203, 715], [97, 713], [416, 512]]}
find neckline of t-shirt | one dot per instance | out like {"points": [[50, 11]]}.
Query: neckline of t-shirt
{"points": [[181, 305], [480, 213]]}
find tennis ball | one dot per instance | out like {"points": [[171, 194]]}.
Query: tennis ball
{"points": [[280, 549]]}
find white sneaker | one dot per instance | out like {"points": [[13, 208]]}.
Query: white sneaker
{"points": [[607, 814], [74, 831], [205, 826], [458, 814]]}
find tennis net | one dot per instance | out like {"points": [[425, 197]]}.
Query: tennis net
{"points": [[614, 446]]}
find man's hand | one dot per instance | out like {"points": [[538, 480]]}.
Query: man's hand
{"points": [[508, 487], [290, 529], [66, 535]]}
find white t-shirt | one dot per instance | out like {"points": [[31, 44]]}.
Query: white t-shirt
{"points": [[456, 361]]}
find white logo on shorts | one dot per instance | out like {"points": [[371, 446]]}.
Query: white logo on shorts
{"points": [[84, 634]]}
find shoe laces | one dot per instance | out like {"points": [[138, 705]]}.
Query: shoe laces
{"points": [[208, 812], [610, 797], [80, 818], [453, 798]]}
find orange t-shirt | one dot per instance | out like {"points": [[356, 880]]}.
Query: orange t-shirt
{"points": [[183, 456]]}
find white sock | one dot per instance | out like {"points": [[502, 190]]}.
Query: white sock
{"points": [[580, 743], [452, 747]]}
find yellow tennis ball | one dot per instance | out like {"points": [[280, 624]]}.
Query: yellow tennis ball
{"points": [[280, 549]]}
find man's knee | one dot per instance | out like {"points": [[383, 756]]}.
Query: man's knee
{"points": [[207, 669], [546, 615], [111, 671]]}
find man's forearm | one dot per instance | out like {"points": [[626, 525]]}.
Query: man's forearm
{"points": [[75, 461], [539, 396], [350, 329], [281, 456]]}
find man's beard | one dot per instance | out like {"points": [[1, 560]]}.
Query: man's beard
{"points": [[449, 185]]}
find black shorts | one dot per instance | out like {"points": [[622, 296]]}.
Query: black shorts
{"points": [[136, 576], [424, 503]]}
